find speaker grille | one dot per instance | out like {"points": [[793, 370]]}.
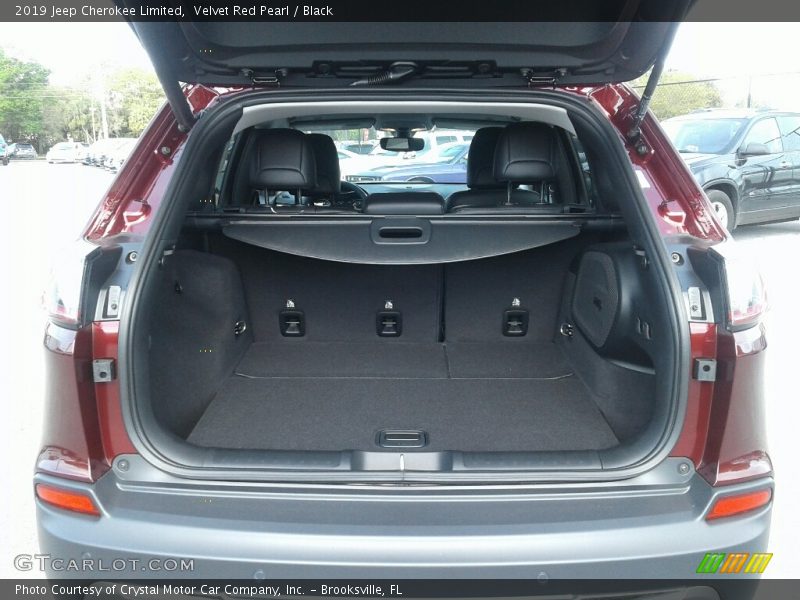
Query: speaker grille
{"points": [[596, 297]]}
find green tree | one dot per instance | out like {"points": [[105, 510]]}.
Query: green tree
{"points": [[68, 115], [23, 87], [32, 110], [679, 93], [134, 96]]}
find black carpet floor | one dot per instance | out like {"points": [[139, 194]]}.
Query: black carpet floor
{"points": [[467, 396]]}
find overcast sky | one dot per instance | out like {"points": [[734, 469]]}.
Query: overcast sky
{"points": [[72, 50]]}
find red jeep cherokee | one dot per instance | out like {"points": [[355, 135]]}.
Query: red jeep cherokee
{"points": [[552, 368]]}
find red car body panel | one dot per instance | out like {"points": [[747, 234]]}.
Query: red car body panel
{"points": [[105, 337], [72, 444], [722, 434], [139, 187], [736, 447], [677, 201]]}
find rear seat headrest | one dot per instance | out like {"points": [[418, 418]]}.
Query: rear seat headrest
{"points": [[329, 174], [480, 161], [404, 203], [283, 159], [526, 153]]}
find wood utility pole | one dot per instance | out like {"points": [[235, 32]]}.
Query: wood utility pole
{"points": [[750, 91], [100, 94], [103, 111], [94, 128]]}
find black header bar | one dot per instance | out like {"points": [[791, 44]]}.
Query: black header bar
{"points": [[381, 10]]}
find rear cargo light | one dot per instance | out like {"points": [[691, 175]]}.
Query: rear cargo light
{"points": [[64, 298], [67, 500], [730, 506], [745, 295]]}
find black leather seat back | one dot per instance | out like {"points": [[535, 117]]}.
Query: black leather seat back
{"points": [[404, 203], [480, 161], [329, 174], [484, 189]]}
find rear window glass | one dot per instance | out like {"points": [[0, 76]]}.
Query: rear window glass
{"points": [[443, 158]]}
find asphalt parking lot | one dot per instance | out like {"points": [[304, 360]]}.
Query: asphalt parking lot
{"points": [[45, 206]]}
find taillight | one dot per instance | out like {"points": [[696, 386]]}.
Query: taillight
{"points": [[64, 299], [744, 294], [75, 279], [731, 506], [72, 445], [724, 432], [67, 499]]}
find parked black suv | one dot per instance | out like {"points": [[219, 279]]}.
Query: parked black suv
{"points": [[747, 161]]}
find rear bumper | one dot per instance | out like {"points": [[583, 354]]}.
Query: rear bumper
{"points": [[648, 528]]}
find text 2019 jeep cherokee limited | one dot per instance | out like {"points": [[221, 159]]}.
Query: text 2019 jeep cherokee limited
{"points": [[553, 367]]}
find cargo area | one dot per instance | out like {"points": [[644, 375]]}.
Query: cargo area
{"points": [[252, 349], [536, 407]]}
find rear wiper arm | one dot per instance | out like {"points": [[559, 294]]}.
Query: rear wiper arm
{"points": [[396, 72]]}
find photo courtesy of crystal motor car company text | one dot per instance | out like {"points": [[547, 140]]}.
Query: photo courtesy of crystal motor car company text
{"points": [[374, 299]]}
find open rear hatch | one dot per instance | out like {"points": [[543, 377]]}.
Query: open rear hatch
{"points": [[595, 43], [311, 342], [255, 357]]}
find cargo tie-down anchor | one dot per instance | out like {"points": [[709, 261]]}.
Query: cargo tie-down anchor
{"points": [[515, 320], [292, 321], [389, 322]]}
